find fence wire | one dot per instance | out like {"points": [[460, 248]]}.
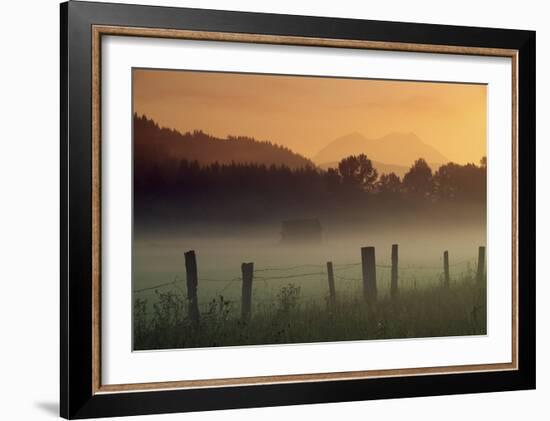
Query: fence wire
{"points": [[338, 268]]}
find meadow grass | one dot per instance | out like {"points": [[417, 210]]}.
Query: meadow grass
{"points": [[429, 311]]}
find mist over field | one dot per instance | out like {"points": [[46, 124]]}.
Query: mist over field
{"points": [[159, 257]]}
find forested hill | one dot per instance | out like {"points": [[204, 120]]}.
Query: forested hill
{"points": [[154, 145]]}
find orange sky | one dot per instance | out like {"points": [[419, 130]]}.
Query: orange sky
{"points": [[306, 113]]}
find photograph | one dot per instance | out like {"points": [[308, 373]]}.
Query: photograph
{"points": [[273, 209]]}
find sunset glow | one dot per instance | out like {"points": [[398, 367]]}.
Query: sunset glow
{"points": [[307, 113]]}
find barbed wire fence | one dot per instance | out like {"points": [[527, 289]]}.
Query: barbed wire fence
{"points": [[350, 275]]}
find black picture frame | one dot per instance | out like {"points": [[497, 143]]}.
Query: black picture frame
{"points": [[78, 399]]}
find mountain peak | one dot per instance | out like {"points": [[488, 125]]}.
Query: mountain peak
{"points": [[396, 148], [405, 136], [351, 137]]}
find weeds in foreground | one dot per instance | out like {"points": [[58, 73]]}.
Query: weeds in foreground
{"points": [[290, 318]]}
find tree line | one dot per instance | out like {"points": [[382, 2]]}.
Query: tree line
{"points": [[355, 176], [449, 182]]}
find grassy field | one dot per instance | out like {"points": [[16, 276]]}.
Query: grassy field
{"points": [[289, 317]]}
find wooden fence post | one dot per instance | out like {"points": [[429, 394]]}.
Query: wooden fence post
{"points": [[192, 282], [247, 270], [368, 263], [446, 268], [480, 264], [331, 287], [394, 257]]}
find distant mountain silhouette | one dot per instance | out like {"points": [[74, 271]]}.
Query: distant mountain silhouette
{"points": [[154, 145], [400, 149], [381, 167]]}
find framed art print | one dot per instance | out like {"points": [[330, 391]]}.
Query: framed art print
{"points": [[264, 210]]}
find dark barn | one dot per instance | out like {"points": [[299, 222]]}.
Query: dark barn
{"points": [[301, 231]]}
